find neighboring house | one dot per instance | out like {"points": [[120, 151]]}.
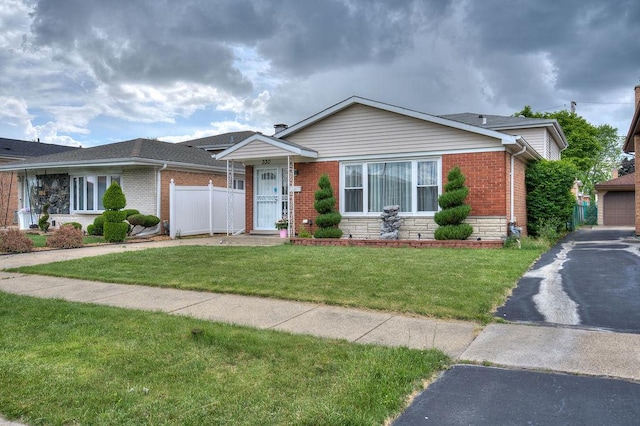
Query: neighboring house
{"points": [[616, 201], [378, 154], [632, 144], [15, 150], [74, 182]]}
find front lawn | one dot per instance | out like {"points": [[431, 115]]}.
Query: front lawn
{"points": [[447, 283], [70, 363]]}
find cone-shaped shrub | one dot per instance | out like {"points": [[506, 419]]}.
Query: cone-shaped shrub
{"points": [[115, 230], [325, 204], [450, 219]]}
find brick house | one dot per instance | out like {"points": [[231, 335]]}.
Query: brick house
{"points": [[15, 150], [73, 182], [378, 154], [632, 144]]}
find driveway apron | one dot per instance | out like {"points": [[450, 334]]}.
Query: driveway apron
{"points": [[590, 279]]}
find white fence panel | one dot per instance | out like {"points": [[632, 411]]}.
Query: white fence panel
{"points": [[197, 210]]}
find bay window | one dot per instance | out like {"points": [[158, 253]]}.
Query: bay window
{"points": [[87, 191], [412, 184]]}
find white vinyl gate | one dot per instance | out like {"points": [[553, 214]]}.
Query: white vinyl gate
{"points": [[197, 210]]}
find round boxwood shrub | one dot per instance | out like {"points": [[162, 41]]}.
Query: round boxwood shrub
{"points": [[136, 219], [151, 220], [130, 212], [98, 225], [115, 232], [91, 229]]}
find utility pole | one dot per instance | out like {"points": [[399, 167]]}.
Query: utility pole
{"points": [[573, 107]]}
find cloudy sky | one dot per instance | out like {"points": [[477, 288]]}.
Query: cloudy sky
{"points": [[91, 72]]}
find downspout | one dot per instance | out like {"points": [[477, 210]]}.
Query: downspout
{"points": [[512, 184], [159, 190]]}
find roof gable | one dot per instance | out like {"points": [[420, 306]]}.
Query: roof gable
{"points": [[626, 182], [353, 100], [258, 145]]}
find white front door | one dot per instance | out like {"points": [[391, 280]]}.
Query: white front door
{"points": [[268, 202]]}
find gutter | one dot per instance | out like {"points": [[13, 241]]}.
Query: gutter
{"points": [[159, 189], [513, 156]]}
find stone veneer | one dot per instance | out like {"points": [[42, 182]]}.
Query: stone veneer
{"points": [[484, 227]]}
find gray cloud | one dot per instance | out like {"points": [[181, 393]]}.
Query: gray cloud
{"points": [[262, 61]]}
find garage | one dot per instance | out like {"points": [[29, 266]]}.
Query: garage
{"points": [[619, 208], [616, 201]]}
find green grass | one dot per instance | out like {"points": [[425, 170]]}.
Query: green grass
{"points": [[40, 240], [447, 283], [69, 363]]}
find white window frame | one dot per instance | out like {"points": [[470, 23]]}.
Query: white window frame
{"points": [[73, 179], [365, 183]]}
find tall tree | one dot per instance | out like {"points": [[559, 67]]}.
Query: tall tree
{"points": [[594, 150]]}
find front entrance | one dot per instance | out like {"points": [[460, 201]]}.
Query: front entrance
{"points": [[271, 203]]}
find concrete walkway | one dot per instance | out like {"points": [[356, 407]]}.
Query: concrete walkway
{"points": [[562, 349]]}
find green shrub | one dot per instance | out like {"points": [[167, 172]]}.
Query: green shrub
{"points": [[74, 224], [14, 241], [113, 198], [67, 236], [150, 220], [43, 223], [549, 198], [115, 232], [98, 225], [130, 212], [304, 233], [453, 232], [91, 229], [329, 218], [452, 215], [450, 219], [136, 219], [328, 233], [113, 216]]}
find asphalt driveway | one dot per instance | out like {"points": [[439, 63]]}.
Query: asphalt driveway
{"points": [[590, 279], [474, 395]]}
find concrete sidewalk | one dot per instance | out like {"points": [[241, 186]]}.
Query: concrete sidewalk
{"points": [[452, 337]]}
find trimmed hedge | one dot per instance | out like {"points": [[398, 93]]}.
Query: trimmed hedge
{"points": [[98, 225], [130, 212], [113, 216], [115, 232]]}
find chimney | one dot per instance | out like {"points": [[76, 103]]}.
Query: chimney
{"points": [[637, 89], [279, 127], [614, 173]]}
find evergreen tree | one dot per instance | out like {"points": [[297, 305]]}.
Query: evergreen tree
{"points": [[325, 204], [454, 211]]}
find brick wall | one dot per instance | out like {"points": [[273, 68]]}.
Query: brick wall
{"points": [[308, 175], [183, 178], [486, 175]]}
